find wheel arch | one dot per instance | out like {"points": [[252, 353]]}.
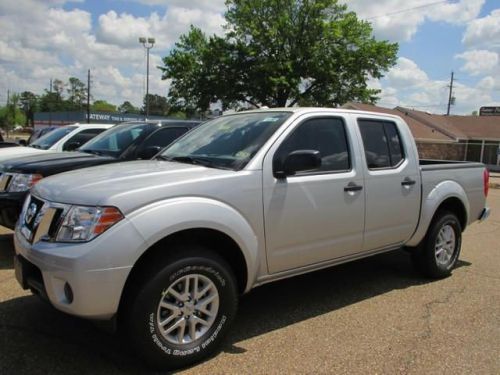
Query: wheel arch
{"points": [[447, 195]]}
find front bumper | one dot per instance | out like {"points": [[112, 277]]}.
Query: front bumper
{"points": [[10, 208], [95, 271]]}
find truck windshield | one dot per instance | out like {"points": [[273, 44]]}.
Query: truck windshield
{"points": [[115, 141], [50, 139], [228, 142]]}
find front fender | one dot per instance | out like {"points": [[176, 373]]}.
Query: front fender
{"points": [[431, 201], [161, 219]]}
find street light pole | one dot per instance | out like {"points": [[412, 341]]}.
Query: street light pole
{"points": [[148, 44]]}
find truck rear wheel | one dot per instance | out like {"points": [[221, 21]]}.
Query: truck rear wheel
{"points": [[438, 252], [179, 315]]}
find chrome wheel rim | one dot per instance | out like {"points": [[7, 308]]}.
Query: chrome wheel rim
{"points": [[445, 245], [187, 309]]}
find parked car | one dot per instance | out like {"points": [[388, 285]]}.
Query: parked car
{"points": [[165, 246], [65, 138], [128, 141]]}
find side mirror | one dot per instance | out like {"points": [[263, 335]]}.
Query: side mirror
{"points": [[71, 146], [299, 161], [148, 152], [22, 142]]}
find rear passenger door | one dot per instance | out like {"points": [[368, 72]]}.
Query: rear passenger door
{"points": [[318, 215], [392, 183]]}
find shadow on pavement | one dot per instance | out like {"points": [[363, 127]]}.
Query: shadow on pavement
{"points": [[6, 251], [35, 338]]}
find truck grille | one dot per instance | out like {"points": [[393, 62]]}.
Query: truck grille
{"points": [[40, 219]]}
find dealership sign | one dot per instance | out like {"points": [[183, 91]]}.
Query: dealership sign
{"points": [[489, 111]]}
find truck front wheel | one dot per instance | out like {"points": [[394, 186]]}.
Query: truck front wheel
{"points": [[179, 315], [438, 253]]}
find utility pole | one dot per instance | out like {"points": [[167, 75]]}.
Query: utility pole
{"points": [[8, 97], [88, 96], [450, 97]]}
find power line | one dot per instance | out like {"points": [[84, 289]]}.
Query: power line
{"points": [[408, 9]]}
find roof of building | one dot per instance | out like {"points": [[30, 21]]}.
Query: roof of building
{"points": [[420, 130], [459, 127]]}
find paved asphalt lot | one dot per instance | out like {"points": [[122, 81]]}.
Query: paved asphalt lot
{"points": [[374, 316]]}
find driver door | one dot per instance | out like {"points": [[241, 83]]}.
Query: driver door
{"points": [[310, 217]]}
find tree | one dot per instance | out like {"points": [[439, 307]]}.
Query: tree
{"points": [[127, 107], [103, 106], [158, 105], [29, 104], [77, 94], [11, 114], [51, 102], [279, 53]]}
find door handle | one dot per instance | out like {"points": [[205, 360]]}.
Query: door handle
{"points": [[408, 182], [352, 187]]}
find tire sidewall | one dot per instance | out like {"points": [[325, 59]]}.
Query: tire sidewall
{"points": [[145, 334]]}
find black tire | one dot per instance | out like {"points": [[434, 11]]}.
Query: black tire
{"points": [[424, 256], [141, 308]]}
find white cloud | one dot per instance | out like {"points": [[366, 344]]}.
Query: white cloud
{"points": [[479, 61], [484, 32], [60, 43], [212, 5], [124, 29], [408, 85], [396, 20], [406, 73]]}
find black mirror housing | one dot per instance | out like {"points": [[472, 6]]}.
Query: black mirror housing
{"points": [[299, 161]]}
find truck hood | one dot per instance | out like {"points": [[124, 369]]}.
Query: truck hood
{"points": [[49, 163], [128, 185]]}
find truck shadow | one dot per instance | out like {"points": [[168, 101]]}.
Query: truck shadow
{"points": [[6, 251], [36, 338]]}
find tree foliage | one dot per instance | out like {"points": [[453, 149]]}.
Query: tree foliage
{"points": [[158, 105], [77, 94], [278, 53], [127, 107], [29, 105], [11, 114], [103, 106]]}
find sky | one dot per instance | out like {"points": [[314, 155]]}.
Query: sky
{"points": [[42, 40]]}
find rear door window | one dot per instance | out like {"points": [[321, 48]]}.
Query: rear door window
{"points": [[81, 138], [382, 143]]}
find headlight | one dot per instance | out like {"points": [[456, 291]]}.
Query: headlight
{"points": [[23, 182], [82, 224]]}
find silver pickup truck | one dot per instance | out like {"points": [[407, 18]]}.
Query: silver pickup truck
{"points": [[164, 247]]}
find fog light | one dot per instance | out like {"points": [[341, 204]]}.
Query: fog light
{"points": [[68, 292]]}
